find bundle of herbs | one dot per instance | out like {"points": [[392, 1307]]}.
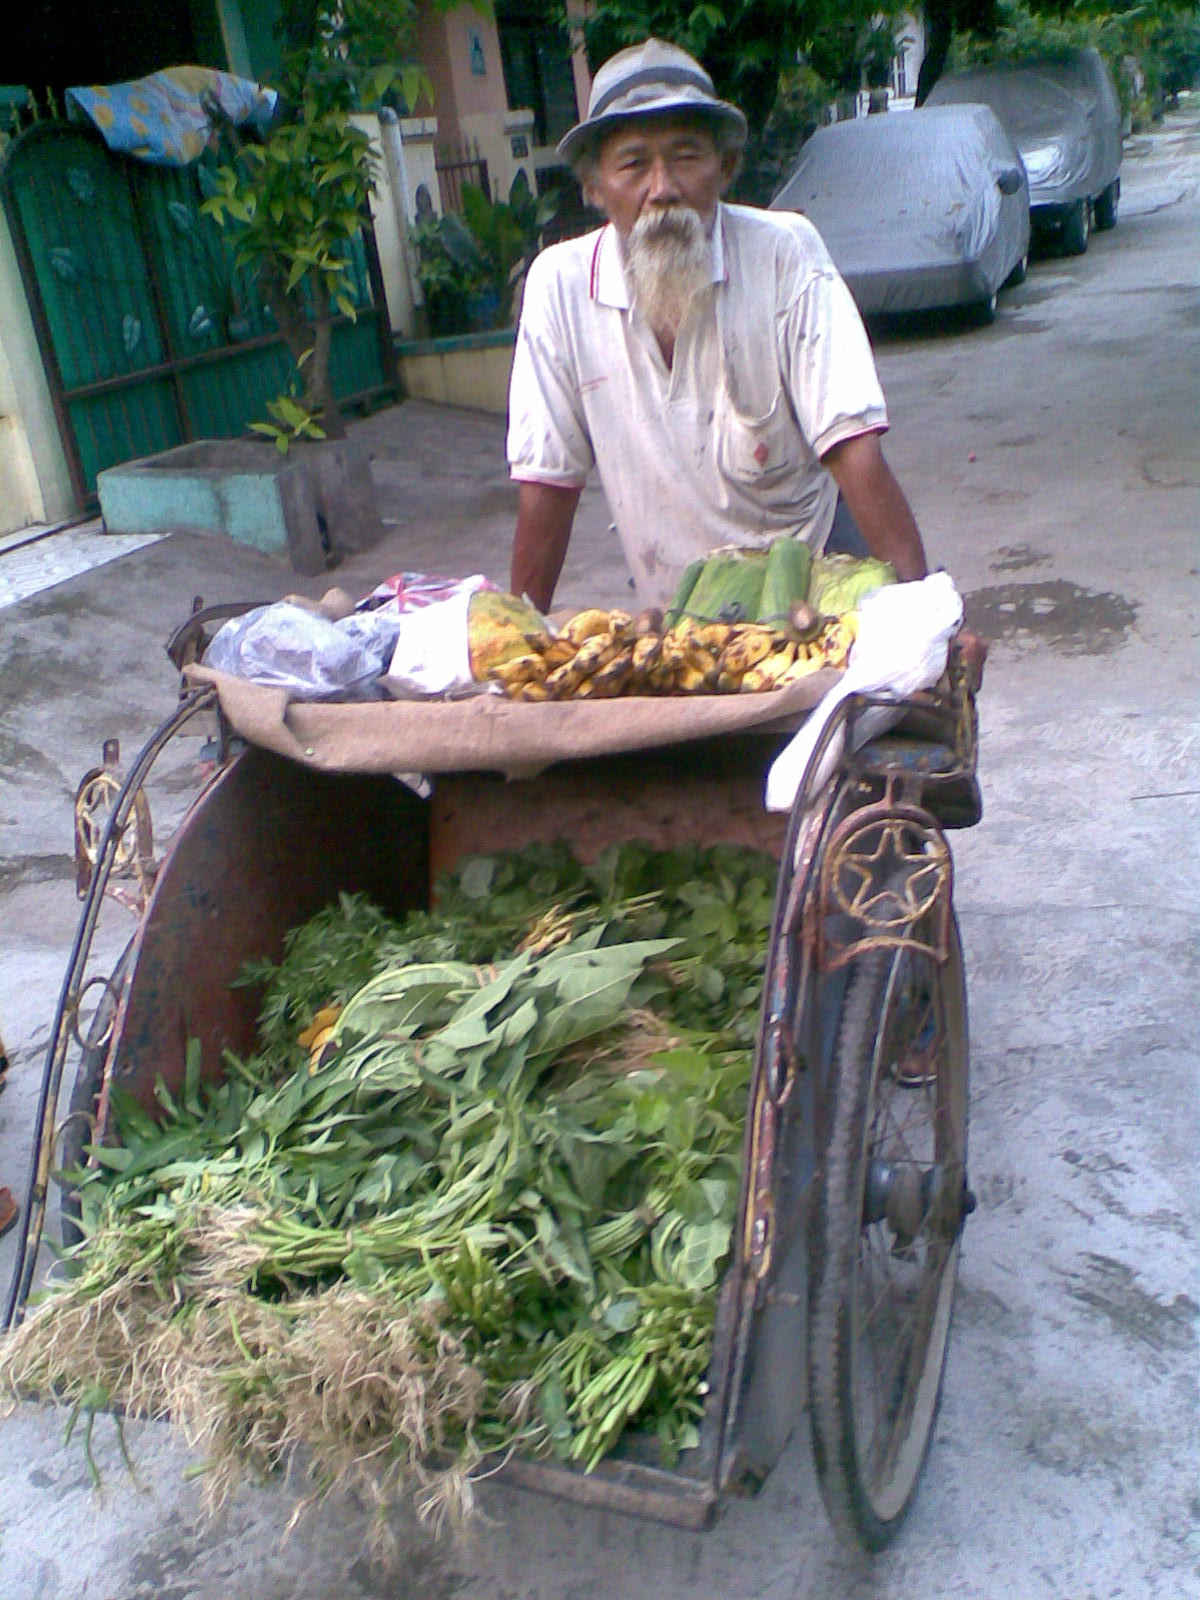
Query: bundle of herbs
{"points": [[488, 1212]]}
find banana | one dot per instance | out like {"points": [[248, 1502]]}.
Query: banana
{"points": [[802, 667], [595, 653], [703, 661], [611, 678], [563, 680], [584, 624], [713, 636], [675, 645], [689, 681], [770, 671], [646, 652], [532, 691], [521, 669], [557, 653], [590, 657], [746, 650], [728, 682], [620, 625]]}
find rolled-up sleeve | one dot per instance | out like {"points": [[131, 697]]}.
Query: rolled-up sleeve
{"points": [[548, 440], [827, 359]]}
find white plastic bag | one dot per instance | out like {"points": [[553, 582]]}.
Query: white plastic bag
{"points": [[904, 634], [292, 647], [433, 651]]}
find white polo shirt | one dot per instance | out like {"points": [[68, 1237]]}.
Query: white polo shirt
{"points": [[769, 372]]}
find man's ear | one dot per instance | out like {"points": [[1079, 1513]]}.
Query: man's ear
{"points": [[591, 193], [730, 162]]}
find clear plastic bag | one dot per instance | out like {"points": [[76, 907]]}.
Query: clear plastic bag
{"points": [[286, 646]]}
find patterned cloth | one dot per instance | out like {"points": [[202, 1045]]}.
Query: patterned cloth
{"points": [[164, 118]]}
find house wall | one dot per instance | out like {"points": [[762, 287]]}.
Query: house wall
{"points": [[35, 483]]}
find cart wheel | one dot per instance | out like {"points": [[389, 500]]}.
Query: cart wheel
{"points": [[890, 1198]]}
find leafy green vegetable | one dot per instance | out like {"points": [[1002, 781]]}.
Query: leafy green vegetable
{"points": [[523, 1137]]}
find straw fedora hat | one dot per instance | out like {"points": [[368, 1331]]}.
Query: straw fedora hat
{"points": [[653, 78]]}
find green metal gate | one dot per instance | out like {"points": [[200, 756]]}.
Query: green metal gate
{"points": [[149, 334]]}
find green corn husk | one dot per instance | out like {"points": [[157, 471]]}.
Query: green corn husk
{"points": [[729, 589], [683, 593], [789, 568], [841, 583]]}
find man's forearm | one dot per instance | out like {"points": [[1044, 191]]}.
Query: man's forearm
{"points": [[545, 516], [878, 505]]}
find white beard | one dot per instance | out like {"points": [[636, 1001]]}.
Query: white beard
{"points": [[668, 263]]}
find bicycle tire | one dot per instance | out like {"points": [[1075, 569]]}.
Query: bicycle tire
{"points": [[868, 1491]]}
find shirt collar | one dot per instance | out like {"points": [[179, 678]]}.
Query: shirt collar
{"points": [[608, 285]]}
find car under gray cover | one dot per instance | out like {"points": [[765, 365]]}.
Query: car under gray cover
{"points": [[919, 209], [1064, 117]]}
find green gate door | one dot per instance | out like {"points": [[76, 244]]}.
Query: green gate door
{"points": [[149, 334]]}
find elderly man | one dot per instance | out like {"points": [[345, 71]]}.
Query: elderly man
{"points": [[705, 357]]}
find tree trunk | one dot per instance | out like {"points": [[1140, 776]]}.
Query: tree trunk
{"points": [[318, 387], [942, 19], [302, 336]]}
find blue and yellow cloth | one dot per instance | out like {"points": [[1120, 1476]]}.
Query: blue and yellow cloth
{"points": [[165, 118]]}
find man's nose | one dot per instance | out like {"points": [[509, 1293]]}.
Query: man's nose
{"points": [[664, 186]]}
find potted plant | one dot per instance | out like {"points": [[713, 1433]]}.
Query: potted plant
{"points": [[471, 266], [295, 202]]}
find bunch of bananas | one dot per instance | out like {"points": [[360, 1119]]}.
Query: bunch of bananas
{"points": [[599, 655]]}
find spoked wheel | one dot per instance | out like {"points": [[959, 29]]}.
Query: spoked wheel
{"points": [[890, 1200]]}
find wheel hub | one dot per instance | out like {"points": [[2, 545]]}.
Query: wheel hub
{"points": [[910, 1198]]}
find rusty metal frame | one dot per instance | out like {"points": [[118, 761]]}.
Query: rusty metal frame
{"points": [[133, 857], [888, 868], [65, 1027], [760, 1313]]}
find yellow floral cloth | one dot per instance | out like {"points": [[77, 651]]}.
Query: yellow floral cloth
{"points": [[165, 118]]}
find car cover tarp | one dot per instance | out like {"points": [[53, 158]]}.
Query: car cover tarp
{"points": [[909, 205], [1062, 114]]}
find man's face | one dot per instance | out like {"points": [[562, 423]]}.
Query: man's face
{"points": [[655, 164]]}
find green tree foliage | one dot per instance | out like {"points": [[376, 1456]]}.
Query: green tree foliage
{"points": [[297, 200], [753, 48], [471, 266], [1152, 46]]}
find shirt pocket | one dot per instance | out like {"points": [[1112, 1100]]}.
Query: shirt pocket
{"points": [[755, 453]]}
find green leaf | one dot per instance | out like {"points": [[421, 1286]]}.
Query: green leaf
{"points": [[290, 411], [554, 1410], [477, 876], [623, 1315], [703, 1248]]}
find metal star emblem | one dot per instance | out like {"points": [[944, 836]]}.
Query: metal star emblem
{"points": [[896, 882]]}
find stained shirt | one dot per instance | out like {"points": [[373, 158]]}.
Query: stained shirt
{"points": [[771, 369]]}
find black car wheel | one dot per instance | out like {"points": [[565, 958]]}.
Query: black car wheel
{"points": [[1017, 275], [1076, 228], [1106, 206]]}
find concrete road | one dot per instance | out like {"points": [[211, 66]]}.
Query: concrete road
{"points": [[1053, 461]]}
